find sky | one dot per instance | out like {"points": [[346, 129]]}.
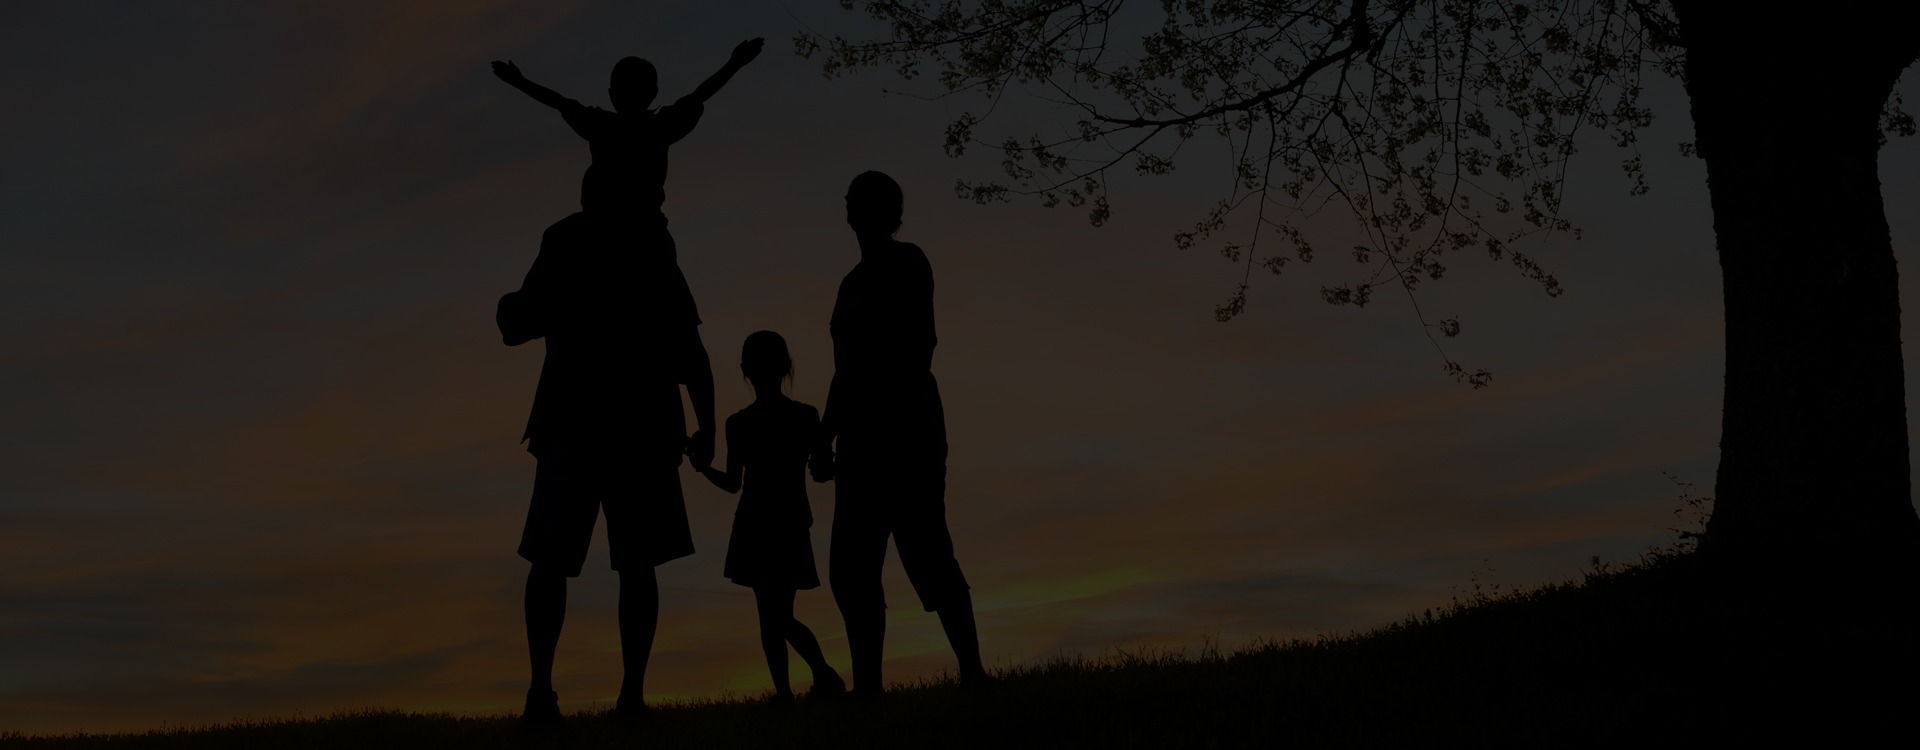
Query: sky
{"points": [[261, 456]]}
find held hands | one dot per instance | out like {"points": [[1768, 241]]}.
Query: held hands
{"points": [[747, 50], [700, 450], [507, 71], [719, 479], [822, 466]]}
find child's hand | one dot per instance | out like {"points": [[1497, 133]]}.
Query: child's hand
{"points": [[507, 71], [700, 449], [748, 50], [726, 482], [822, 467]]}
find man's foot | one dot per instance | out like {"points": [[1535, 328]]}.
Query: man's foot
{"points": [[543, 707], [632, 711], [828, 685], [780, 701]]}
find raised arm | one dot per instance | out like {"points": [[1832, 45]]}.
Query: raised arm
{"points": [[510, 73], [742, 55], [525, 314]]}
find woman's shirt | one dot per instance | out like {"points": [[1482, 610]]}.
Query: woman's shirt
{"points": [[885, 401]]}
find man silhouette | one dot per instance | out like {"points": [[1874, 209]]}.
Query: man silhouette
{"points": [[622, 336], [608, 432]]}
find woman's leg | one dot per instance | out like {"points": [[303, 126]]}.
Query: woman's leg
{"points": [[854, 558], [956, 617], [776, 617]]}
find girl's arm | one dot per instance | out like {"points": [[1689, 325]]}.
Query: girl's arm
{"points": [[729, 480], [742, 55], [510, 73]]}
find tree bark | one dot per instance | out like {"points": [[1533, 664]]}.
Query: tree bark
{"points": [[1813, 451]]}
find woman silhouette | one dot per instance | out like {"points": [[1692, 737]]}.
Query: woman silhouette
{"points": [[885, 420]]}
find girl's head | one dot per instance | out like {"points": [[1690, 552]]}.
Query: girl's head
{"points": [[874, 204], [634, 85], [764, 360]]}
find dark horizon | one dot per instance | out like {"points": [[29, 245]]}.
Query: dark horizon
{"points": [[255, 252]]}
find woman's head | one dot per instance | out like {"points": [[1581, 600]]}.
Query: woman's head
{"points": [[874, 204], [764, 359]]}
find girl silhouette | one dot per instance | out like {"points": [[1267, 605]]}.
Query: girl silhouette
{"points": [[767, 449]]}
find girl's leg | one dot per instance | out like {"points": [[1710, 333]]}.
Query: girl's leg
{"points": [[776, 613], [825, 680]]}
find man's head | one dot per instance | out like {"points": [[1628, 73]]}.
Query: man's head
{"points": [[635, 83], [874, 204]]}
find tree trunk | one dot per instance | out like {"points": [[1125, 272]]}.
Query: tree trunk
{"points": [[1813, 447]]}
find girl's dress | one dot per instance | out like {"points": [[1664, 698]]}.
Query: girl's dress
{"points": [[770, 546]]}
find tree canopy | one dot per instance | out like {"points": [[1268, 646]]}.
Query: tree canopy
{"points": [[1441, 126]]}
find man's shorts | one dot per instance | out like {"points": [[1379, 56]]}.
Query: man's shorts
{"points": [[646, 516], [911, 507]]}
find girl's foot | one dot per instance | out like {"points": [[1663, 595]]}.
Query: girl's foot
{"points": [[781, 700], [827, 685]]}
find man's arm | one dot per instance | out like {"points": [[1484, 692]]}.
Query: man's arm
{"points": [[510, 73], [742, 55], [521, 314], [697, 374]]}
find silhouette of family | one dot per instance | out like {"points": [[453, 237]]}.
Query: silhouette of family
{"points": [[609, 433]]}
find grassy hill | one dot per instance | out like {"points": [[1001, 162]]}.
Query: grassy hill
{"points": [[1670, 651]]}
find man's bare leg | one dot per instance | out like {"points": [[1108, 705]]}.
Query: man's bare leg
{"points": [[639, 619], [546, 611]]}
